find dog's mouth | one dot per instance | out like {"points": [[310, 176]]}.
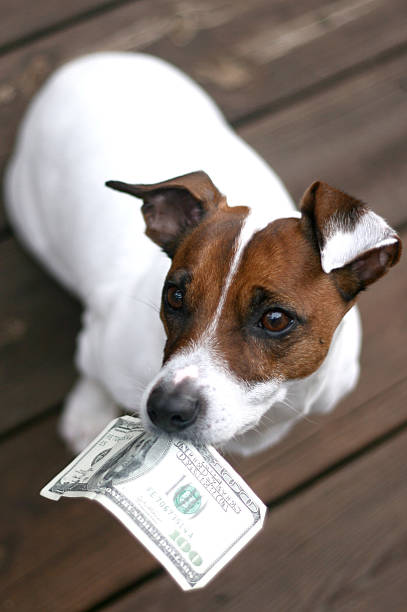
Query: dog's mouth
{"points": [[195, 421], [198, 399], [193, 435]]}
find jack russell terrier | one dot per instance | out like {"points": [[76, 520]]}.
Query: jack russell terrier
{"points": [[258, 325]]}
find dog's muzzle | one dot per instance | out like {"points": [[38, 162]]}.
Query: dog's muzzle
{"points": [[176, 408]]}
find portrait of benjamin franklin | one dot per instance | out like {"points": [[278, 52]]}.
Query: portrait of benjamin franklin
{"points": [[124, 464]]}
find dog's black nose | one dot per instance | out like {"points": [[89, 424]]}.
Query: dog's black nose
{"points": [[174, 410]]}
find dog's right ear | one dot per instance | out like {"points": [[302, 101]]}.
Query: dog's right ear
{"points": [[173, 208]]}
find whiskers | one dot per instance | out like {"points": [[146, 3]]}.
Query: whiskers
{"points": [[286, 402], [266, 417], [148, 303]]}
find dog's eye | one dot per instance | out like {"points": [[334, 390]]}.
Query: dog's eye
{"points": [[276, 321], [175, 297]]}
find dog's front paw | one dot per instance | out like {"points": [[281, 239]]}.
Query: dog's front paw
{"points": [[88, 409]]}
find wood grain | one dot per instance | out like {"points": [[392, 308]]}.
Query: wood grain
{"points": [[351, 136], [38, 325], [340, 546], [20, 19], [237, 50]]}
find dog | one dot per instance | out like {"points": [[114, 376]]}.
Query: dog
{"points": [[234, 315]]}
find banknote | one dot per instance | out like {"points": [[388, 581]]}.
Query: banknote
{"points": [[182, 501]]}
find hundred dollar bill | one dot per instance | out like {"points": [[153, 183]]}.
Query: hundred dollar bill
{"points": [[184, 502]]}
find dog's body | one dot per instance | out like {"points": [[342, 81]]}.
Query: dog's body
{"points": [[126, 116]]}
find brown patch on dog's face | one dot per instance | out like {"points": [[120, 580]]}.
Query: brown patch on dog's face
{"points": [[279, 272], [199, 270]]}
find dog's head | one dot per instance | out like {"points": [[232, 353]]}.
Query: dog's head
{"points": [[247, 305]]}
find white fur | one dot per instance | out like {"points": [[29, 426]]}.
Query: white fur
{"points": [[88, 408], [341, 247], [137, 119]]}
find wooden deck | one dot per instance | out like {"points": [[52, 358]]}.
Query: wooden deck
{"points": [[320, 89]]}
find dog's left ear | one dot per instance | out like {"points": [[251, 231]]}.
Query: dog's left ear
{"points": [[356, 246], [174, 207]]}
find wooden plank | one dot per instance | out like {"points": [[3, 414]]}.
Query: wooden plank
{"points": [[38, 325], [238, 50], [270, 51], [56, 556], [20, 18], [339, 546], [352, 136]]}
